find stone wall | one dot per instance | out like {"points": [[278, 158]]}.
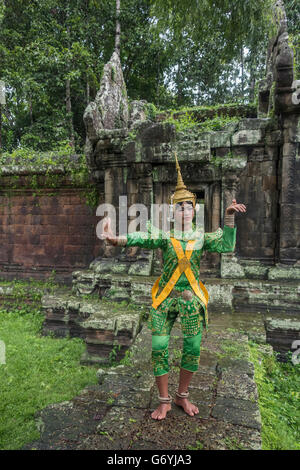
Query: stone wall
{"points": [[46, 223], [240, 161]]}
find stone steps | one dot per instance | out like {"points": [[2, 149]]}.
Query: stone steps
{"points": [[116, 413], [284, 336], [106, 329], [226, 295]]}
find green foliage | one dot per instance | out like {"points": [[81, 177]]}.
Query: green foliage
{"points": [[236, 31], [166, 54], [113, 355], [218, 123], [2, 10], [278, 387], [151, 111], [77, 171], [187, 121], [233, 444], [126, 361], [219, 161], [233, 349], [38, 371], [183, 123], [198, 446]]}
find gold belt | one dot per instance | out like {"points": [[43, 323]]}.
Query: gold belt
{"points": [[186, 294]]}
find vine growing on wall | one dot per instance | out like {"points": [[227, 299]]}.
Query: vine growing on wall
{"points": [[46, 170]]}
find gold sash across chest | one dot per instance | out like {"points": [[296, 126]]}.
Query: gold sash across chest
{"points": [[184, 265]]}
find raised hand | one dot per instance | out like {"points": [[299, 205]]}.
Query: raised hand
{"points": [[107, 233], [234, 207]]}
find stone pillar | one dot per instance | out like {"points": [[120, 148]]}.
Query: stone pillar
{"points": [[287, 104], [145, 185], [114, 186], [109, 186], [216, 207], [288, 200]]}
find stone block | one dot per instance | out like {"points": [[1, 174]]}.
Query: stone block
{"points": [[281, 272], [274, 138], [230, 267], [269, 183], [253, 124], [119, 425], [237, 411], [271, 152], [233, 164], [102, 266], [220, 139], [254, 169], [237, 385], [220, 295], [141, 293], [253, 269], [283, 335], [235, 366], [140, 268], [221, 151], [120, 268], [117, 293], [126, 390], [256, 154], [247, 137]]}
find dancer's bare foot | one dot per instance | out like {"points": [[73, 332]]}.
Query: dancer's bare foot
{"points": [[188, 407], [161, 411]]}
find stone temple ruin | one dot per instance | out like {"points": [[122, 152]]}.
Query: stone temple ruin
{"points": [[129, 153]]}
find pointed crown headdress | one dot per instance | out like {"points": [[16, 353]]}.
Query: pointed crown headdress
{"points": [[181, 193]]}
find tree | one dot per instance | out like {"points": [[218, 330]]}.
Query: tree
{"points": [[173, 53], [215, 37]]}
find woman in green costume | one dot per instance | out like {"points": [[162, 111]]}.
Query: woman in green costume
{"points": [[179, 294]]}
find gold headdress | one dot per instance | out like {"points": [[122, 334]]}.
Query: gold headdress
{"points": [[181, 193]]}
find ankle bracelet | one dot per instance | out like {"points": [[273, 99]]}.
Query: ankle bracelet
{"points": [[167, 399], [182, 395]]}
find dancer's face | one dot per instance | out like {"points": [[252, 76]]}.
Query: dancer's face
{"points": [[184, 213]]}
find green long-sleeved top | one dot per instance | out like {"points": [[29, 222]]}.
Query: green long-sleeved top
{"points": [[220, 241]]}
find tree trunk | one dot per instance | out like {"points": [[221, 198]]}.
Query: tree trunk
{"points": [[2, 102], [69, 113], [0, 128], [68, 101], [87, 91], [118, 27], [242, 61], [30, 110]]}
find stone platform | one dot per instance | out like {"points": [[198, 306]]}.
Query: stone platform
{"points": [[116, 413], [107, 329]]}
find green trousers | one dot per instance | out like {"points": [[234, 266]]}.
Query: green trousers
{"points": [[160, 349]]}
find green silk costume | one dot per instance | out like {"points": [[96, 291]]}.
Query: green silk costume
{"points": [[193, 313]]}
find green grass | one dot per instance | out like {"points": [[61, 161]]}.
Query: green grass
{"points": [[279, 393], [37, 371]]}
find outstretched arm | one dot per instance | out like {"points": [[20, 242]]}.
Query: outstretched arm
{"points": [[150, 240]]}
